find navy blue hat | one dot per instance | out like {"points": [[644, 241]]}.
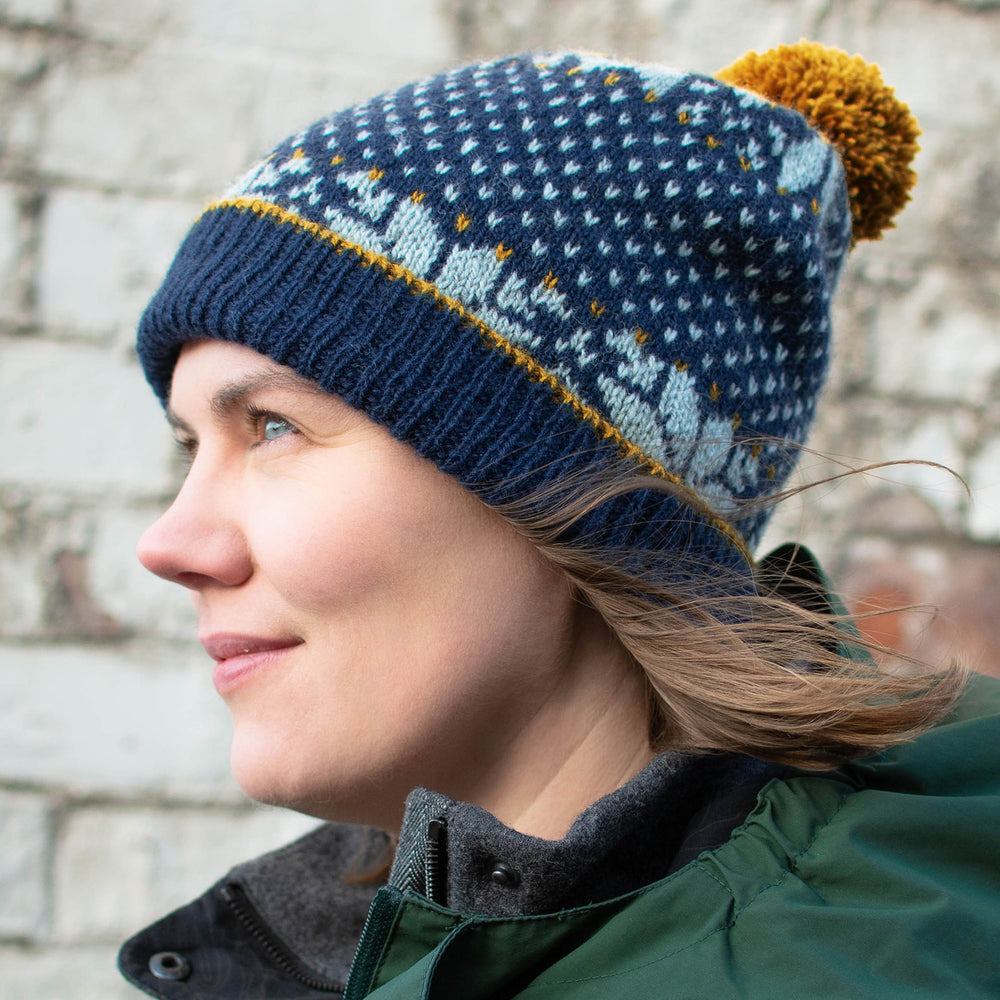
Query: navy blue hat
{"points": [[538, 266]]}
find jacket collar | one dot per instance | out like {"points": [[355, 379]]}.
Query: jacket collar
{"points": [[286, 925], [462, 857]]}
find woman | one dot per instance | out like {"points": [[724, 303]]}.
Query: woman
{"points": [[488, 387]]}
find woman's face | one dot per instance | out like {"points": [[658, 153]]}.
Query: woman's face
{"points": [[375, 626]]}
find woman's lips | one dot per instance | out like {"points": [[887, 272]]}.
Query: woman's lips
{"points": [[238, 656]]}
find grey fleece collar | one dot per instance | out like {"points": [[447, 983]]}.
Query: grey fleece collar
{"points": [[673, 809], [625, 840], [311, 896]]}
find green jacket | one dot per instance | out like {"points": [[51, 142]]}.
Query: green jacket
{"points": [[881, 880]]}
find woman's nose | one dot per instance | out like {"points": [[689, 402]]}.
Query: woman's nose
{"points": [[197, 541]]}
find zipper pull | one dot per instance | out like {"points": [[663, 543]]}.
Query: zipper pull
{"points": [[436, 861]]}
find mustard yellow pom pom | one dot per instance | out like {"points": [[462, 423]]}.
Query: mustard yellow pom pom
{"points": [[846, 100]]}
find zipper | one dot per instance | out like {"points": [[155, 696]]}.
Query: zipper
{"points": [[435, 861], [378, 923], [385, 905], [276, 950]]}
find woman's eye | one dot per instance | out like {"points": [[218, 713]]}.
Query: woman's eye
{"points": [[266, 426], [186, 447], [275, 427]]}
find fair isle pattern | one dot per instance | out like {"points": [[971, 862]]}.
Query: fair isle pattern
{"points": [[593, 221], [396, 272], [663, 247]]}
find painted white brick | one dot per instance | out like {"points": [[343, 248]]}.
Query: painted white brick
{"points": [[35, 529], [8, 251], [898, 498], [21, 593], [62, 974], [21, 56], [33, 11], [24, 865], [119, 869], [80, 417], [296, 92], [939, 60], [103, 256], [984, 482], [269, 69], [930, 342], [931, 56], [168, 122], [952, 217], [133, 719], [176, 98], [924, 438], [695, 38], [132, 25], [415, 33], [22, 597], [22, 130], [124, 588]]}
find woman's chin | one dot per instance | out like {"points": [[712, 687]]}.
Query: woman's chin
{"points": [[281, 779], [269, 777]]}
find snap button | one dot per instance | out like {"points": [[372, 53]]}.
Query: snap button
{"points": [[504, 875], [169, 965]]}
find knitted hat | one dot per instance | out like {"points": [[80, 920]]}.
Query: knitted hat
{"points": [[536, 266]]}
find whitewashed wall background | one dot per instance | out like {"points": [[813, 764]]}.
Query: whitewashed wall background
{"points": [[118, 120]]}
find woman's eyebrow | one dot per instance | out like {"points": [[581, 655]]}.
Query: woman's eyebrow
{"points": [[177, 423], [232, 395]]}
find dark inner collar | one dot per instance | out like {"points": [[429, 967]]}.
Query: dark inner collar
{"points": [[677, 806]]}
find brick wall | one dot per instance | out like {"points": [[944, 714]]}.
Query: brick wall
{"points": [[117, 122]]}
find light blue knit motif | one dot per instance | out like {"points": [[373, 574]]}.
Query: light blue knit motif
{"points": [[662, 243]]}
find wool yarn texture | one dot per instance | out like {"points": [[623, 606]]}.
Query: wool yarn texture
{"points": [[540, 266]]}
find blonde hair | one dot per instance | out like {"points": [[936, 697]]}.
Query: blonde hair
{"points": [[773, 670]]}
